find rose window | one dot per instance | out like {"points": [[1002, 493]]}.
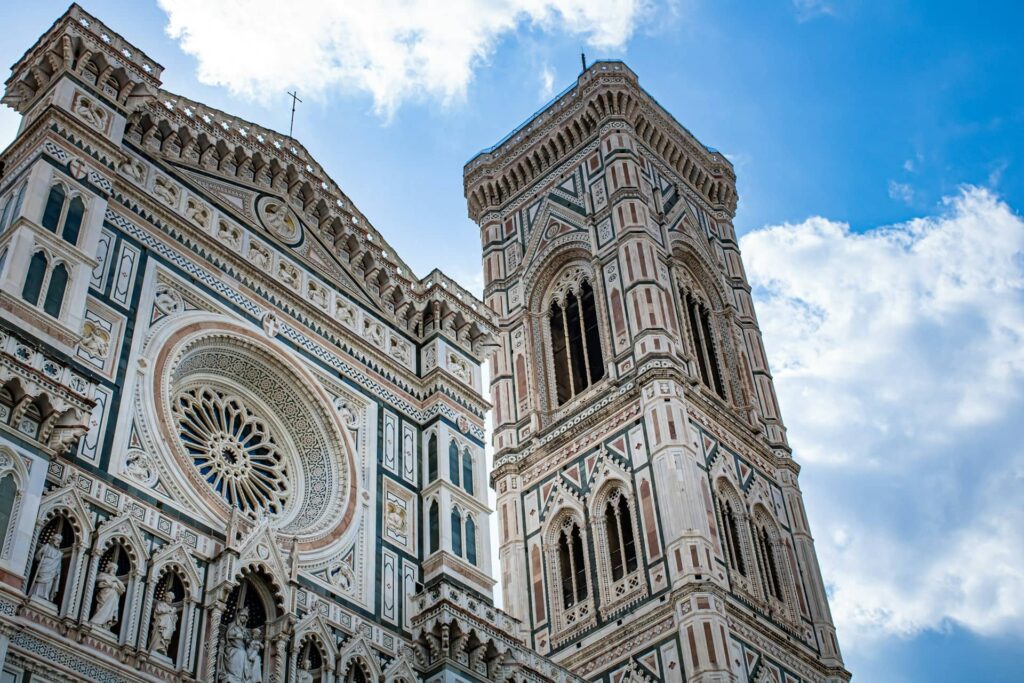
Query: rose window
{"points": [[233, 449], [249, 429]]}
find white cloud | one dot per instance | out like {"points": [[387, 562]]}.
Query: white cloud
{"points": [[392, 49], [901, 192], [811, 9], [899, 360], [547, 82]]}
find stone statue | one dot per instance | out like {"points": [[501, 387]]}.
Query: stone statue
{"points": [[303, 675], [47, 578], [165, 618], [254, 663], [110, 589], [235, 656]]}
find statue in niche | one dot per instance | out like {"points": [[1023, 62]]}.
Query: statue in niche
{"points": [[254, 660], [110, 589], [47, 578], [304, 676], [165, 619], [236, 657]]}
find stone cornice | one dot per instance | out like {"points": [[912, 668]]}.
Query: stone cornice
{"points": [[75, 40], [604, 92]]}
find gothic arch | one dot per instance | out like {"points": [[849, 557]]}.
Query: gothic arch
{"points": [[11, 465], [64, 504], [174, 561], [706, 324], [778, 587], [569, 329], [313, 632], [542, 279], [570, 589], [358, 652], [119, 535], [734, 533]]}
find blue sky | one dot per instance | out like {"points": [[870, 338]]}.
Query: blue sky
{"points": [[878, 152]]}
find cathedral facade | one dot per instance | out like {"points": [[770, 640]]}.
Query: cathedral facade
{"points": [[241, 441]]}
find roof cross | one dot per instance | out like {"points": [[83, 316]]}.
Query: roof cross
{"points": [[295, 98]]}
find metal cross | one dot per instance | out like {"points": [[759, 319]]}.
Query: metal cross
{"points": [[295, 98]]}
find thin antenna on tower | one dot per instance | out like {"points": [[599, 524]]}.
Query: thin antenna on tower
{"points": [[295, 98], [583, 60]]}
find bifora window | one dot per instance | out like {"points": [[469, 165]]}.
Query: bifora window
{"points": [[63, 214], [575, 342], [41, 277], [621, 541]]}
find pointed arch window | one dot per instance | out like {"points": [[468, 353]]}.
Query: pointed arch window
{"points": [[702, 340], [575, 342], [572, 568], [456, 532], [12, 208], [770, 579], [453, 462], [55, 291], [8, 495], [731, 534], [73, 221], [54, 208], [467, 471], [63, 214], [434, 522], [34, 282], [470, 540], [618, 522], [432, 458]]}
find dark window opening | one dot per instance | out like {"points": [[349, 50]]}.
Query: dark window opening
{"points": [[54, 208], [563, 381], [591, 335], [435, 527], [575, 343], [55, 291], [34, 282], [621, 540], [73, 221], [453, 462], [703, 343], [572, 567], [456, 533], [471, 541], [432, 458], [730, 530], [467, 471]]}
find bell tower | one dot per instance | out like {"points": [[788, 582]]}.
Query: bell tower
{"points": [[650, 519]]}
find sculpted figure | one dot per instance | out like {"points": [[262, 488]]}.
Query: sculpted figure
{"points": [[165, 618], [304, 676], [254, 663], [48, 570], [110, 589], [235, 656]]}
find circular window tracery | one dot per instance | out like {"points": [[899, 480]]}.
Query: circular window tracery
{"points": [[233, 448], [251, 431]]}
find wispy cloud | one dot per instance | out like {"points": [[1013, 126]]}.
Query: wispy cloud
{"points": [[395, 50], [899, 359], [901, 192], [811, 9], [547, 82]]}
